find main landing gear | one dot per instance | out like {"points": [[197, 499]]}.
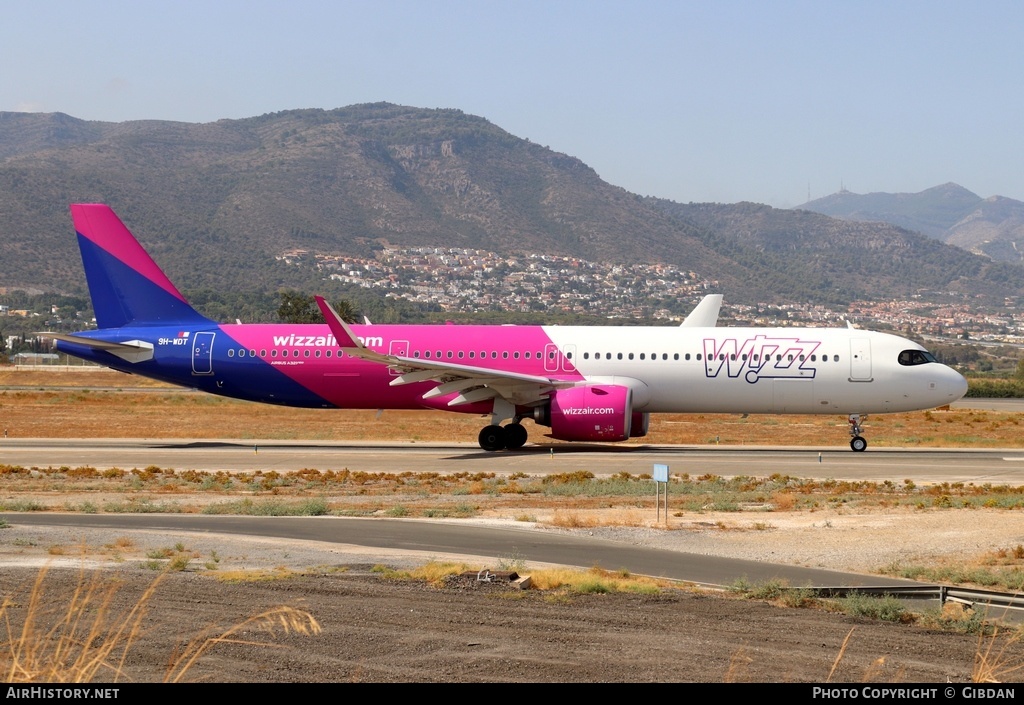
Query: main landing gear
{"points": [[495, 437], [857, 442]]}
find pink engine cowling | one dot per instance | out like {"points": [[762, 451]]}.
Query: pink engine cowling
{"points": [[597, 412]]}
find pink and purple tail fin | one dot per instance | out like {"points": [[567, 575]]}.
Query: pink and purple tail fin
{"points": [[127, 286]]}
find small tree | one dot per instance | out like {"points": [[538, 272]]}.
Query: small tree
{"points": [[297, 307], [346, 310]]}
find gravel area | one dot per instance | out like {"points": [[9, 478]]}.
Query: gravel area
{"points": [[857, 542]]}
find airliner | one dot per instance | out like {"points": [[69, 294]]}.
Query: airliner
{"points": [[586, 384]]}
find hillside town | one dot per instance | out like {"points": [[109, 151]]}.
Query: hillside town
{"points": [[469, 281], [475, 281]]}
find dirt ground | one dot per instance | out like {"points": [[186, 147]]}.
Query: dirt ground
{"points": [[377, 629]]}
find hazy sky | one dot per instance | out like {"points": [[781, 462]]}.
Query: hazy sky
{"points": [[693, 101]]}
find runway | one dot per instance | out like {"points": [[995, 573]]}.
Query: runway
{"points": [[995, 466]]}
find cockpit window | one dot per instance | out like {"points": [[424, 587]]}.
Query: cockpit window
{"points": [[915, 357]]}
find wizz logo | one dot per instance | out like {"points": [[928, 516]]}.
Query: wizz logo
{"points": [[759, 357]]}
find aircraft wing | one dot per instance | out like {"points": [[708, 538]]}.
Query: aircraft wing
{"points": [[469, 384]]}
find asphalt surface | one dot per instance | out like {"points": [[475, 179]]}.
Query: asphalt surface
{"points": [[433, 539], [997, 466]]}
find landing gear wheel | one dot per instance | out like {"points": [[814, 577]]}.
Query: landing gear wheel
{"points": [[515, 436], [492, 438], [857, 442]]}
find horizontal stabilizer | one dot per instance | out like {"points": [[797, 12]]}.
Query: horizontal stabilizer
{"points": [[129, 350]]}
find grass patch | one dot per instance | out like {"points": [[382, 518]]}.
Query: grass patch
{"points": [[1008, 578], [955, 617], [269, 508], [767, 590], [256, 576], [515, 563], [885, 608], [434, 573], [136, 505], [22, 505], [595, 581]]}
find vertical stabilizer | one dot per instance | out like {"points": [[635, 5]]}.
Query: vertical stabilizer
{"points": [[126, 285]]}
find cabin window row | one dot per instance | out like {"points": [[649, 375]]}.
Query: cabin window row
{"points": [[699, 356], [472, 354], [242, 352]]}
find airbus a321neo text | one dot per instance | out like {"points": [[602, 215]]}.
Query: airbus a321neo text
{"points": [[595, 383]]}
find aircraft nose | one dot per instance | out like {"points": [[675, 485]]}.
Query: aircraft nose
{"points": [[956, 384]]}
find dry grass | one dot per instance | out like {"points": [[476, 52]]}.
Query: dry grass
{"points": [[285, 620], [78, 642], [256, 575], [992, 663], [738, 670], [84, 637], [597, 580], [839, 656]]}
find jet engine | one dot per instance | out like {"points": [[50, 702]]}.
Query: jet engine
{"points": [[640, 424], [596, 412]]}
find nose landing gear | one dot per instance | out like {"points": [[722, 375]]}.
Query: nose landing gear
{"points": [[858, 443]]}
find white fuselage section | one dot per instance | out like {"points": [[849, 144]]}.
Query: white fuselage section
{"points": [[759, 370]]}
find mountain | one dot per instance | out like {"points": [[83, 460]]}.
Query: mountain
{"points": [[823, 259], [992, 227], [218, 203]]}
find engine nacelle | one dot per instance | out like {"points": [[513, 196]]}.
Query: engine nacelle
{"points": [[640, 424], [597, 412]]}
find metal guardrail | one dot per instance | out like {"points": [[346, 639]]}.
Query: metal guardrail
{"points": [[1001, 605]]}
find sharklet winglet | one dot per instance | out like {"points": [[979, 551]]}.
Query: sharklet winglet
{"points": [[704, 314], [342, 333]]}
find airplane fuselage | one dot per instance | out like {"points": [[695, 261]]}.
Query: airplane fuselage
{"points": [[669, 369]]}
